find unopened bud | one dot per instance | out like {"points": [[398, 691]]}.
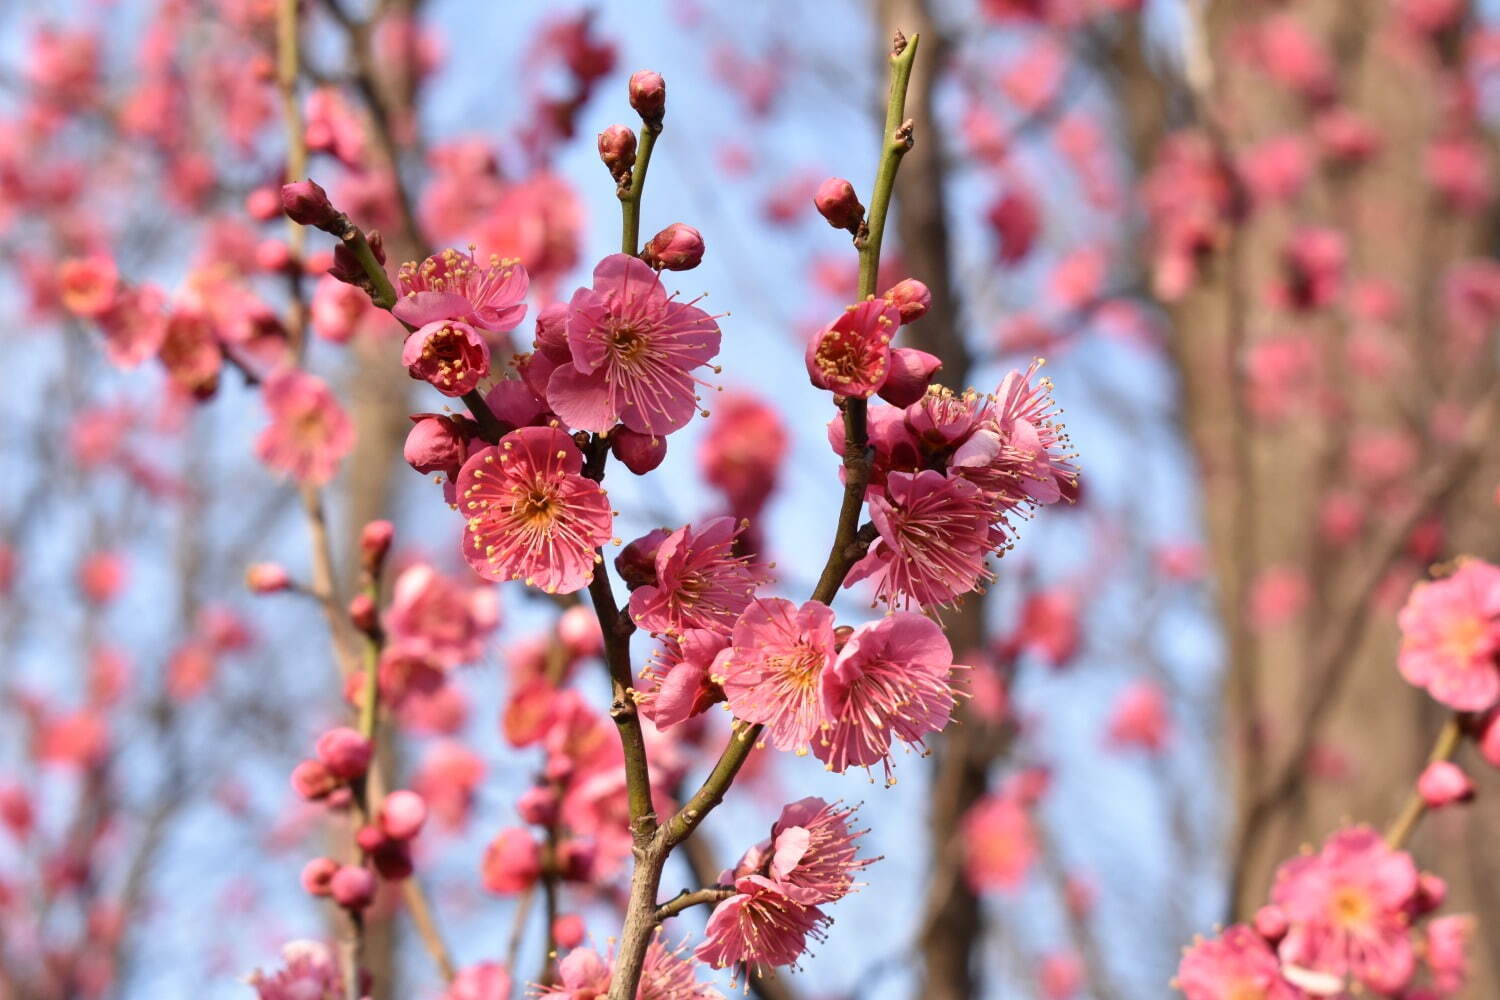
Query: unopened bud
{"points": [[263, 204], [402, 814], [640, 453], [306, 203], [267, 578], [344, 752], [911, 298], [648, 95], [679, 247], [352, 887], [363, 613], [272, 256], [910, 373], [837, 202], [617, 150], [1271, 923], [374, 543], [317, 874], [312, 780], [1444, 783]]}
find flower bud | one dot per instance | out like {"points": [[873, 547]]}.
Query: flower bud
{"points": [[1489, 737], [374, 543], [552, 333], [911, 372], [1430, 894], [538, 805], [436, 443], [267, 578], [639, 452], [837, 202], [313, 781], [1443, 783], [636, 562], [568, 930], [363, 613], [392, 860], [911, 298], [512, 862], [370, 838], [317, 874], [679, 247], [575, 860], [352, 887], [1271, 923], [273, 256], [617, 150], [648, 95], [402, 814], [344, 752], [307, 204]]}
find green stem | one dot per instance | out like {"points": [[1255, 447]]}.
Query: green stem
{"points": [[895, 141], [1446, 745], [630, 199]]}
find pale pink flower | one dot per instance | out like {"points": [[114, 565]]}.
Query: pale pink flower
{"points": [[1048, 626], [512, 862], [484, 981], [1235, 965], [583, 974], [773, 672], [537, 220], [1017, 452], [1061, 976], [666, 974], [134, 324], [449, 355], [431, 615], [633, 349], [889, 682], [309, 972], [999, 844], [453, 285], [678, 682], [337, 308], [309, 433], [87, 285], [1277, 596], [1347, 906], [758, 927], [934, 537], [1450, 637], [851, 356], [529, 512], [700, 582], [1140, 718], [446, 780]]}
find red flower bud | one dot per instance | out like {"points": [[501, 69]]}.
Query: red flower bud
{"points": [[374, 543], [317, 874], [538, 805], [679, 247], [392, 860], [837, 202], [344, 752], [639, 452], [911, 298], [402, 814], [352, 887], [1271, 923], [306, 203], [911, 372], [267, 578], [363, 613], [438, 443], [263, 204], [313, 781], [648, 95], [617, 150], [1444, 783], [274, 256]]}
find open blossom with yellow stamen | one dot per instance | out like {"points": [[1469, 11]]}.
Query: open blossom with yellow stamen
{"points": [[453, 285], [529, 512], [632, 351], [774, 669], [1450, 637], [451, 355]]}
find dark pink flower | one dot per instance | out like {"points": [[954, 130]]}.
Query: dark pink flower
{"points": [[934, 537], [633, 350], [851, 356], [452, 285], [890, 682], [449, 354], [1236, 964], [812, 856], [1450, 637], [678, 682], [700, 582], [1347, 906], [530, 514], [309, 433], [773, 672]]}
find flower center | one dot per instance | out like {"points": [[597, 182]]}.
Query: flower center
{"points": [[1464, 640], [1245, 989], [1350, 907], [626, 343], [538, 508], [800, 668]]}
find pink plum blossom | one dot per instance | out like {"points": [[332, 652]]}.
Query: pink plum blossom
{"points": [[432, 616], [448, 354], [453, 285], [1450, 637], [999, 844], [772, 674], [700, 583], [851, 356], [309, 433], [529, 512], [1238, 963], [633, 351]]}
